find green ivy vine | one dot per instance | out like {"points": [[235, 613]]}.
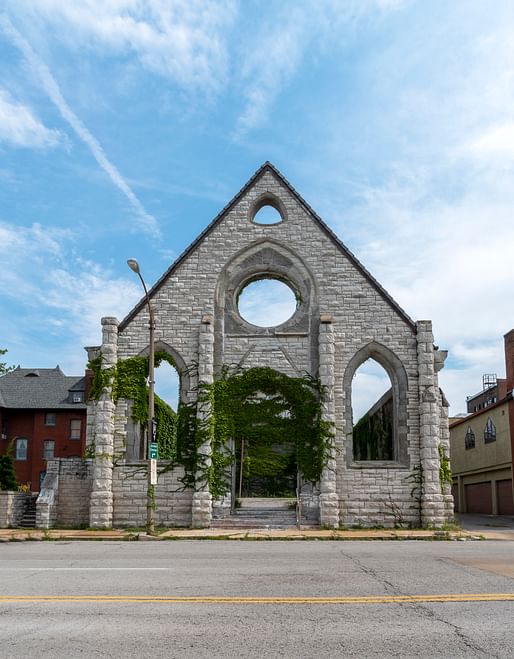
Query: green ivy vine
{"points": [[265, 408], [128, 379], [260, 405], [445, 472]]}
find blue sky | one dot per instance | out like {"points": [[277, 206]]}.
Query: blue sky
{"points": [[125, 126]]}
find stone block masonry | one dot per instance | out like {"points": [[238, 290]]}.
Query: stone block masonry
{"points": [[65, 494], [172, 503], [343, 317], [12, 507]]}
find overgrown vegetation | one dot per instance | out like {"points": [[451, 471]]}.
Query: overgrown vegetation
{"points": [[4, 368], [128, 379], [445, 472], [259, 405], [267, 409], [7, 474]]}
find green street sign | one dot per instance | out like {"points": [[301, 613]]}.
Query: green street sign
{"points": [[154, 451]]}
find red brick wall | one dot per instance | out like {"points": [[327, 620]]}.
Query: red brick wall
{"points": [[31, 425], [509, 359]]}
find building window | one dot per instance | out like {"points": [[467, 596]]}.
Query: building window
{"points": [[75, 427], [469, 440], [489, 431], [48, 449], [50, 419], [76, 397], [21, 449]]}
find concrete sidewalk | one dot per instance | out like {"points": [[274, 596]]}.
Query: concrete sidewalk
{"points": [[20, 535]]}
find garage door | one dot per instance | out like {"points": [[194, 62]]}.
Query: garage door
{"points": [[504, 494], [479, 498]]}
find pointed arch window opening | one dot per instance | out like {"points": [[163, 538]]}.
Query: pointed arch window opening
{"points": [[373, 413], [167, 384], [469, 439], [489, 431]]}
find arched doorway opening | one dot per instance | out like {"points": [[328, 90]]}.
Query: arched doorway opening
{"points": [[271, 425]]}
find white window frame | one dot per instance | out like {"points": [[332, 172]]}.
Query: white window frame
{"points": [[72, 421], [46, 444], [48, 419], [21, 449]]}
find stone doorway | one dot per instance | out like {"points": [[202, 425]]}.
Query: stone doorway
{"points": [[265, 471]]}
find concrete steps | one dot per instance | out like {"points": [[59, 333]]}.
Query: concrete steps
{"points": [[28, 521], [257, 513]]}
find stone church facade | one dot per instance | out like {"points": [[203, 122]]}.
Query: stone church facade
{"points": [[343, 317]]}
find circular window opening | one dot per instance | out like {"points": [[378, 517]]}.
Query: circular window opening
{"points": [[266, 302], [267, 215]]}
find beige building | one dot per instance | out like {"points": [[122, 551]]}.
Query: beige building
{"points": [[482, 446]]}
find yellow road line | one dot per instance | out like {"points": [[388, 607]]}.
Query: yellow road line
{"points": [[370, 599]]}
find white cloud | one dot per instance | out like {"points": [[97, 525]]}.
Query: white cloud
{"points": [[64, 294], [495, 143], [181, 40], [146, 221], [277, 47], [19, 126], [449, 261]]}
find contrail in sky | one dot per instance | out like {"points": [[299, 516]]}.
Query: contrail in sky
{"points": [[147, 222]]}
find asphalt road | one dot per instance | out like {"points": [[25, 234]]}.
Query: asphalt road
{"points": [[257, 599]]}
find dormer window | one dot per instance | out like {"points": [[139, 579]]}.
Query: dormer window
{"points": [[77, 397]]}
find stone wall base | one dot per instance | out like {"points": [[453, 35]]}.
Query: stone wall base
{"points": [[12, 507], [201, 513], [329, 510]]}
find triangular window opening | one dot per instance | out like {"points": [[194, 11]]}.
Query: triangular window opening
{"points": [[372, 413], [268, 214]]}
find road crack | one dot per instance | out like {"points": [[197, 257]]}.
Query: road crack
{"points": [[418, 608]]}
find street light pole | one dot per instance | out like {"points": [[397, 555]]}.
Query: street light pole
{"points": [[150, 496]]}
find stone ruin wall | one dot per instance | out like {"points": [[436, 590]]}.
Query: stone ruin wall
{"points": [[65, 494], [344, 313]]}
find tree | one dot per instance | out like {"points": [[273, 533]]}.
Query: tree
{"points": [[7, 476], [3, 366]]}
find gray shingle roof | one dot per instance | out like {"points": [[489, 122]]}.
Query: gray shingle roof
{"points": [[41, 388]]}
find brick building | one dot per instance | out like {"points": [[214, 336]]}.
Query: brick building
{"points": [[42, 415], [482, 445]]}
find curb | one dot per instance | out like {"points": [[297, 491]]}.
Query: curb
{"points": [[255, 535]]}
